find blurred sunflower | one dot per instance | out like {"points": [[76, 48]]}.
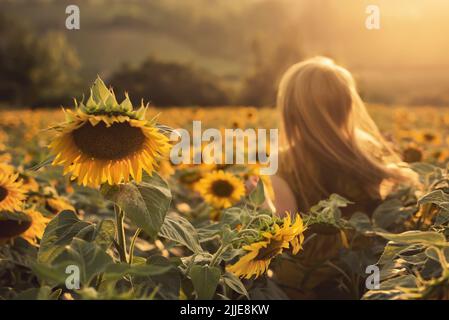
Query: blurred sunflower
{"points": [[13, 224], [5, 157], [221, 189], [50, 201], [166, 169], [412, 154], [37, 227], [107, 142], [11, 192], [5, 167], [29, 183], [58, 204], [260, 253]]}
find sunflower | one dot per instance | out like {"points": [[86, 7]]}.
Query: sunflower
{"points": [[107, 142], [260, 253], [37, 227], [58, 204], [13, 224], [5, 167], [29, 183], [412, 154], [11, 192], [166, 169], [220, 189]]}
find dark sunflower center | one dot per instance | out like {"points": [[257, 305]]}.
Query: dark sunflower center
{"points": [[12, 228], [3, 193], [272, 249], [222, 188], [429, 137], [108, 143]]}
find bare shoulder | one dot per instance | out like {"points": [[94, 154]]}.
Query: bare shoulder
{"points": [[284, 197]]}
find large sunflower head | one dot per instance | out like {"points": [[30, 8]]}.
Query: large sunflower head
{"points": [[221, 189], [104, 141], [259, 254], [12, 193]]}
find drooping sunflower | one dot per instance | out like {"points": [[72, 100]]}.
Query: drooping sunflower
{"points": [[11, 192], [220, 189], [260, 253], [107, 142]]}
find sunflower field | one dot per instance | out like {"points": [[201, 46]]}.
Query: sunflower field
{"points": [[91, 208]]}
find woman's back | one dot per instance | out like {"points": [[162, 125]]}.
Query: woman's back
{"points": [[330, 145]]}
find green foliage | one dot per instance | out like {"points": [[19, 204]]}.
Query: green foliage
{"points": [[414, 264], [205, 280], [168, 84], [59, 233], [145, 204], [260, 86], [257, 196], [181, 231], [35, 70]]}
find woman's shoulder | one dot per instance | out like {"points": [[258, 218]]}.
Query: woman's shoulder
{"points": [[284, 197]]}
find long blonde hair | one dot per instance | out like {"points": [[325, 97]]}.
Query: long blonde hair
{"points": [[326, 125]]}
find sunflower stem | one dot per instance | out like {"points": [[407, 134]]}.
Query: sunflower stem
{"points": [[217, 254], [133, 243], [120, 230]]}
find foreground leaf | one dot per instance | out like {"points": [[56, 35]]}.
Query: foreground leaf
{"points": [[205, 281], [145, 204]]}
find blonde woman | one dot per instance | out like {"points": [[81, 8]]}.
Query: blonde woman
{"points": [[330, 145]]}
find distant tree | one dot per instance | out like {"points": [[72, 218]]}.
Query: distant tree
{"points": [[168, 84], [260, 86], [35, 71]]}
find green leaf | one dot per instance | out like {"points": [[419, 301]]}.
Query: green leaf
{"points": [[119, 270], [415, 236], [90, 258], [257, 196], [181, 231], [205, 281], [169, 283], [389, 213], [232, 216], [361, 222], [403, 281], [53, 274], [390, 252], [437, 254], [59, 233], [145, 204], [441, 200], [104, 234], [437, 197], [233, 282], [99, 91], [442, 217], [43, 293]]}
